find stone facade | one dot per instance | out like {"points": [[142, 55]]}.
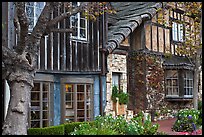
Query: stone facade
{"points": [[116, 63]]}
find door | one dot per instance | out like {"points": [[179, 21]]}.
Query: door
{"points": [[77, 102]]}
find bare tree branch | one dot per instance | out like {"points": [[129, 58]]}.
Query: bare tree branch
{"points": [[67, 14], [41, 24], [23, 21]]}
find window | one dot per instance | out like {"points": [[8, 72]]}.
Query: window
{"points": [[177, 32], [79, 24], [179, 82], [188, 84], [33, 11], [172, 87], [40, 105], [77, 104]]}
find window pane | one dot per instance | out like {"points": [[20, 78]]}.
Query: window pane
{"points": [[82, 23], [45, 123], [80, 105], [45, 86], [82, 33], [40, 5], [45, 114], [45, 105], [35, 124], [35, 115], [35, 96], [30, 11], [45, 96], [36, 87], [74, 21], [115, 80], [35, 106]]}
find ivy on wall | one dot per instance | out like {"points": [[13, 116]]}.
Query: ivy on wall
{"points": [[148, 72]]}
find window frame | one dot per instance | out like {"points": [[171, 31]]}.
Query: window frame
{"points": [[41, 79], [118, 74], [78, 37], [186, 79], [75, 82], [170, 86], [177, 32], [181, 75], [35, 18]]}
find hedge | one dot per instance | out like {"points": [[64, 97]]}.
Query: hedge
{"points": [[64, 129], [53, 130], [69, 127]]}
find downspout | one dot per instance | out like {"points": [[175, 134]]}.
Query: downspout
{"points": [[103, 65]]}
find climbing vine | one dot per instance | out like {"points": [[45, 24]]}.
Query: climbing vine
{"points": [[148, 73]]}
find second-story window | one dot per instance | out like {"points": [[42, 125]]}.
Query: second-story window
{"points": [[33, 11], [177, 32], [79, 24]]}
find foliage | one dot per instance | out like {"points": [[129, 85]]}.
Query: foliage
{"points": [[114, 93], [95, 9], [69, 127], [187, 120], [109, 125], [123, 98], [140, 127], [53, 130]]}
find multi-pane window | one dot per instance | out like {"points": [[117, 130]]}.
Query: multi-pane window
{"points": [[78, 101], [33, 11], [172, 85], [40, 107], [177, 32], [78, 24], [188, 84]]}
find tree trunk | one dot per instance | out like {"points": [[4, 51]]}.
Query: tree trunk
{"points": [[16, 122], [195, 84]]}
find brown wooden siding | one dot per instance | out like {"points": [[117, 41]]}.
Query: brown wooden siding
{"points": [[65, 54], [159, 37]]}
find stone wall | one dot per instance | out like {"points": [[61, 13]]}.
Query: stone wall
{"points": [[116, 63]]}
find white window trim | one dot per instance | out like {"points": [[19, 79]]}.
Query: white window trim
{"points": [[78, 27], [34, 16], [177, 34]]}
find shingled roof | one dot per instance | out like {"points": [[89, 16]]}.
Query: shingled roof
{"points": [[177, 62], [129, 15]]}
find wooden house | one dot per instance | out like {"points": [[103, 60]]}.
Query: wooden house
{"points": [[70, 83]]}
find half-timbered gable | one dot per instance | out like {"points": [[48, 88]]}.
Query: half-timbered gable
{"points": [[151, 31]]}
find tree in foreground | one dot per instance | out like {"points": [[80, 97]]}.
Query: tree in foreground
{"points": [[20, 64]]}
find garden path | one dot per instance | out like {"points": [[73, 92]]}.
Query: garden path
{"points": [[165, 126]]}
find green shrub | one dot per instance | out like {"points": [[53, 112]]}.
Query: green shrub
{"points": [[114, 93], [123, 98], [109, 125], [87, 129], [187, 120], [139, 127], [53, 130], [69, 127]]}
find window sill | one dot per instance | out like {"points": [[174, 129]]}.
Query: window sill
{"points": [[177, 98]]}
